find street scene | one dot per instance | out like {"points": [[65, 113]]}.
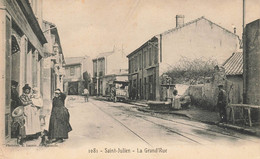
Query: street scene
{"points": [[99, 122], [129, 77]]}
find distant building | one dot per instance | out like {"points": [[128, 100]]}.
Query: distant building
{"points": [[234, 68], [107, 66], [198, 38], [77, 75]]}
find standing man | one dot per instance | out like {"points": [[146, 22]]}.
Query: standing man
{"points": [[222, 103], [86, 94]]}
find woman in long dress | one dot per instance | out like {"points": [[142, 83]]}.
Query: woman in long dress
{"points": [[176, 100], [31, 114], [59, 125]]}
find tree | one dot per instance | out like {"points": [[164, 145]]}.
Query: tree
{"points": [[87, 79], [192, 71]]}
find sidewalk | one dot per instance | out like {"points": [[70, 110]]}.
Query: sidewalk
{"points": [[201, 115]]}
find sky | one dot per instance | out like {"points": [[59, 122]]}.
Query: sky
{"points": [[89, 27]]}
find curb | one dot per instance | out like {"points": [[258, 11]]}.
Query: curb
{"points": [[240, 129], [233, 127]]}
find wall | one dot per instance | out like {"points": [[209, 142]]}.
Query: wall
{"points": [[252, 63], [199, 39], [144, 72], [206, 95], [235, 88], [76, 76], [112, 67], [87, 65]]}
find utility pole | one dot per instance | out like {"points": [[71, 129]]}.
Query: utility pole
{"points": [[97, 79]]}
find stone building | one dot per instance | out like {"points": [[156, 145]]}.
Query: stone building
{"points": [[77, 75], [197, 38], [53, 70], [106, 67], [22, 48]]}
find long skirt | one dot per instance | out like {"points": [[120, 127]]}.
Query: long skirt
{"points": [[32, 120], [59, 125]]}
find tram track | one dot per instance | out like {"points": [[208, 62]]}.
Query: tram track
{"points": [[182, 133], [139, 136]]}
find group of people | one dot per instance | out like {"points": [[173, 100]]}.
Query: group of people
{"points": [[25, 109]]}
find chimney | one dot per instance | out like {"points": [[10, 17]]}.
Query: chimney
{"points": [[179, 20], [235, 30]]}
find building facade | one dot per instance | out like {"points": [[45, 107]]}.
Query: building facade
{"points": [[251, 61], [22, 51], [106, 66], [77, 75], [53, 70], [198, 38]]}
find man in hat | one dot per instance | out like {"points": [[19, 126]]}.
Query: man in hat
{"points": [[222, 103]]}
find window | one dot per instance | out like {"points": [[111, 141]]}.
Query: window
{"points": [[101, 73], [136, 63], [155, 55], [129, 65], [144, 58], [72, 71], [150, 56], [140, 61]]}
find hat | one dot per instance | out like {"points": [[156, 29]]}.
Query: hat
{"points": [[57, 91], [17, 111], [220, 85], [26, 86], [14, 83]]}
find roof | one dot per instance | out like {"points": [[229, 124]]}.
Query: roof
{"points": [[194, 21], [146, 43], [28, 12], [234, 64], [74, 60], [184, 25], [103, 54]]}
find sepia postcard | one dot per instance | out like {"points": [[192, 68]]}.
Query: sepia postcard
{"points": [[130, 79]]}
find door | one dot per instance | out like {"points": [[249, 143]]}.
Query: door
{"points": [[73, 88], [150, 87]]}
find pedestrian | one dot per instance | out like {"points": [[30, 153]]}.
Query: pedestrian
{"points": [[113, 93], [31, 114], [15, 102], [59, 125], [222, 103], [176, 100], [86, 94]]}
